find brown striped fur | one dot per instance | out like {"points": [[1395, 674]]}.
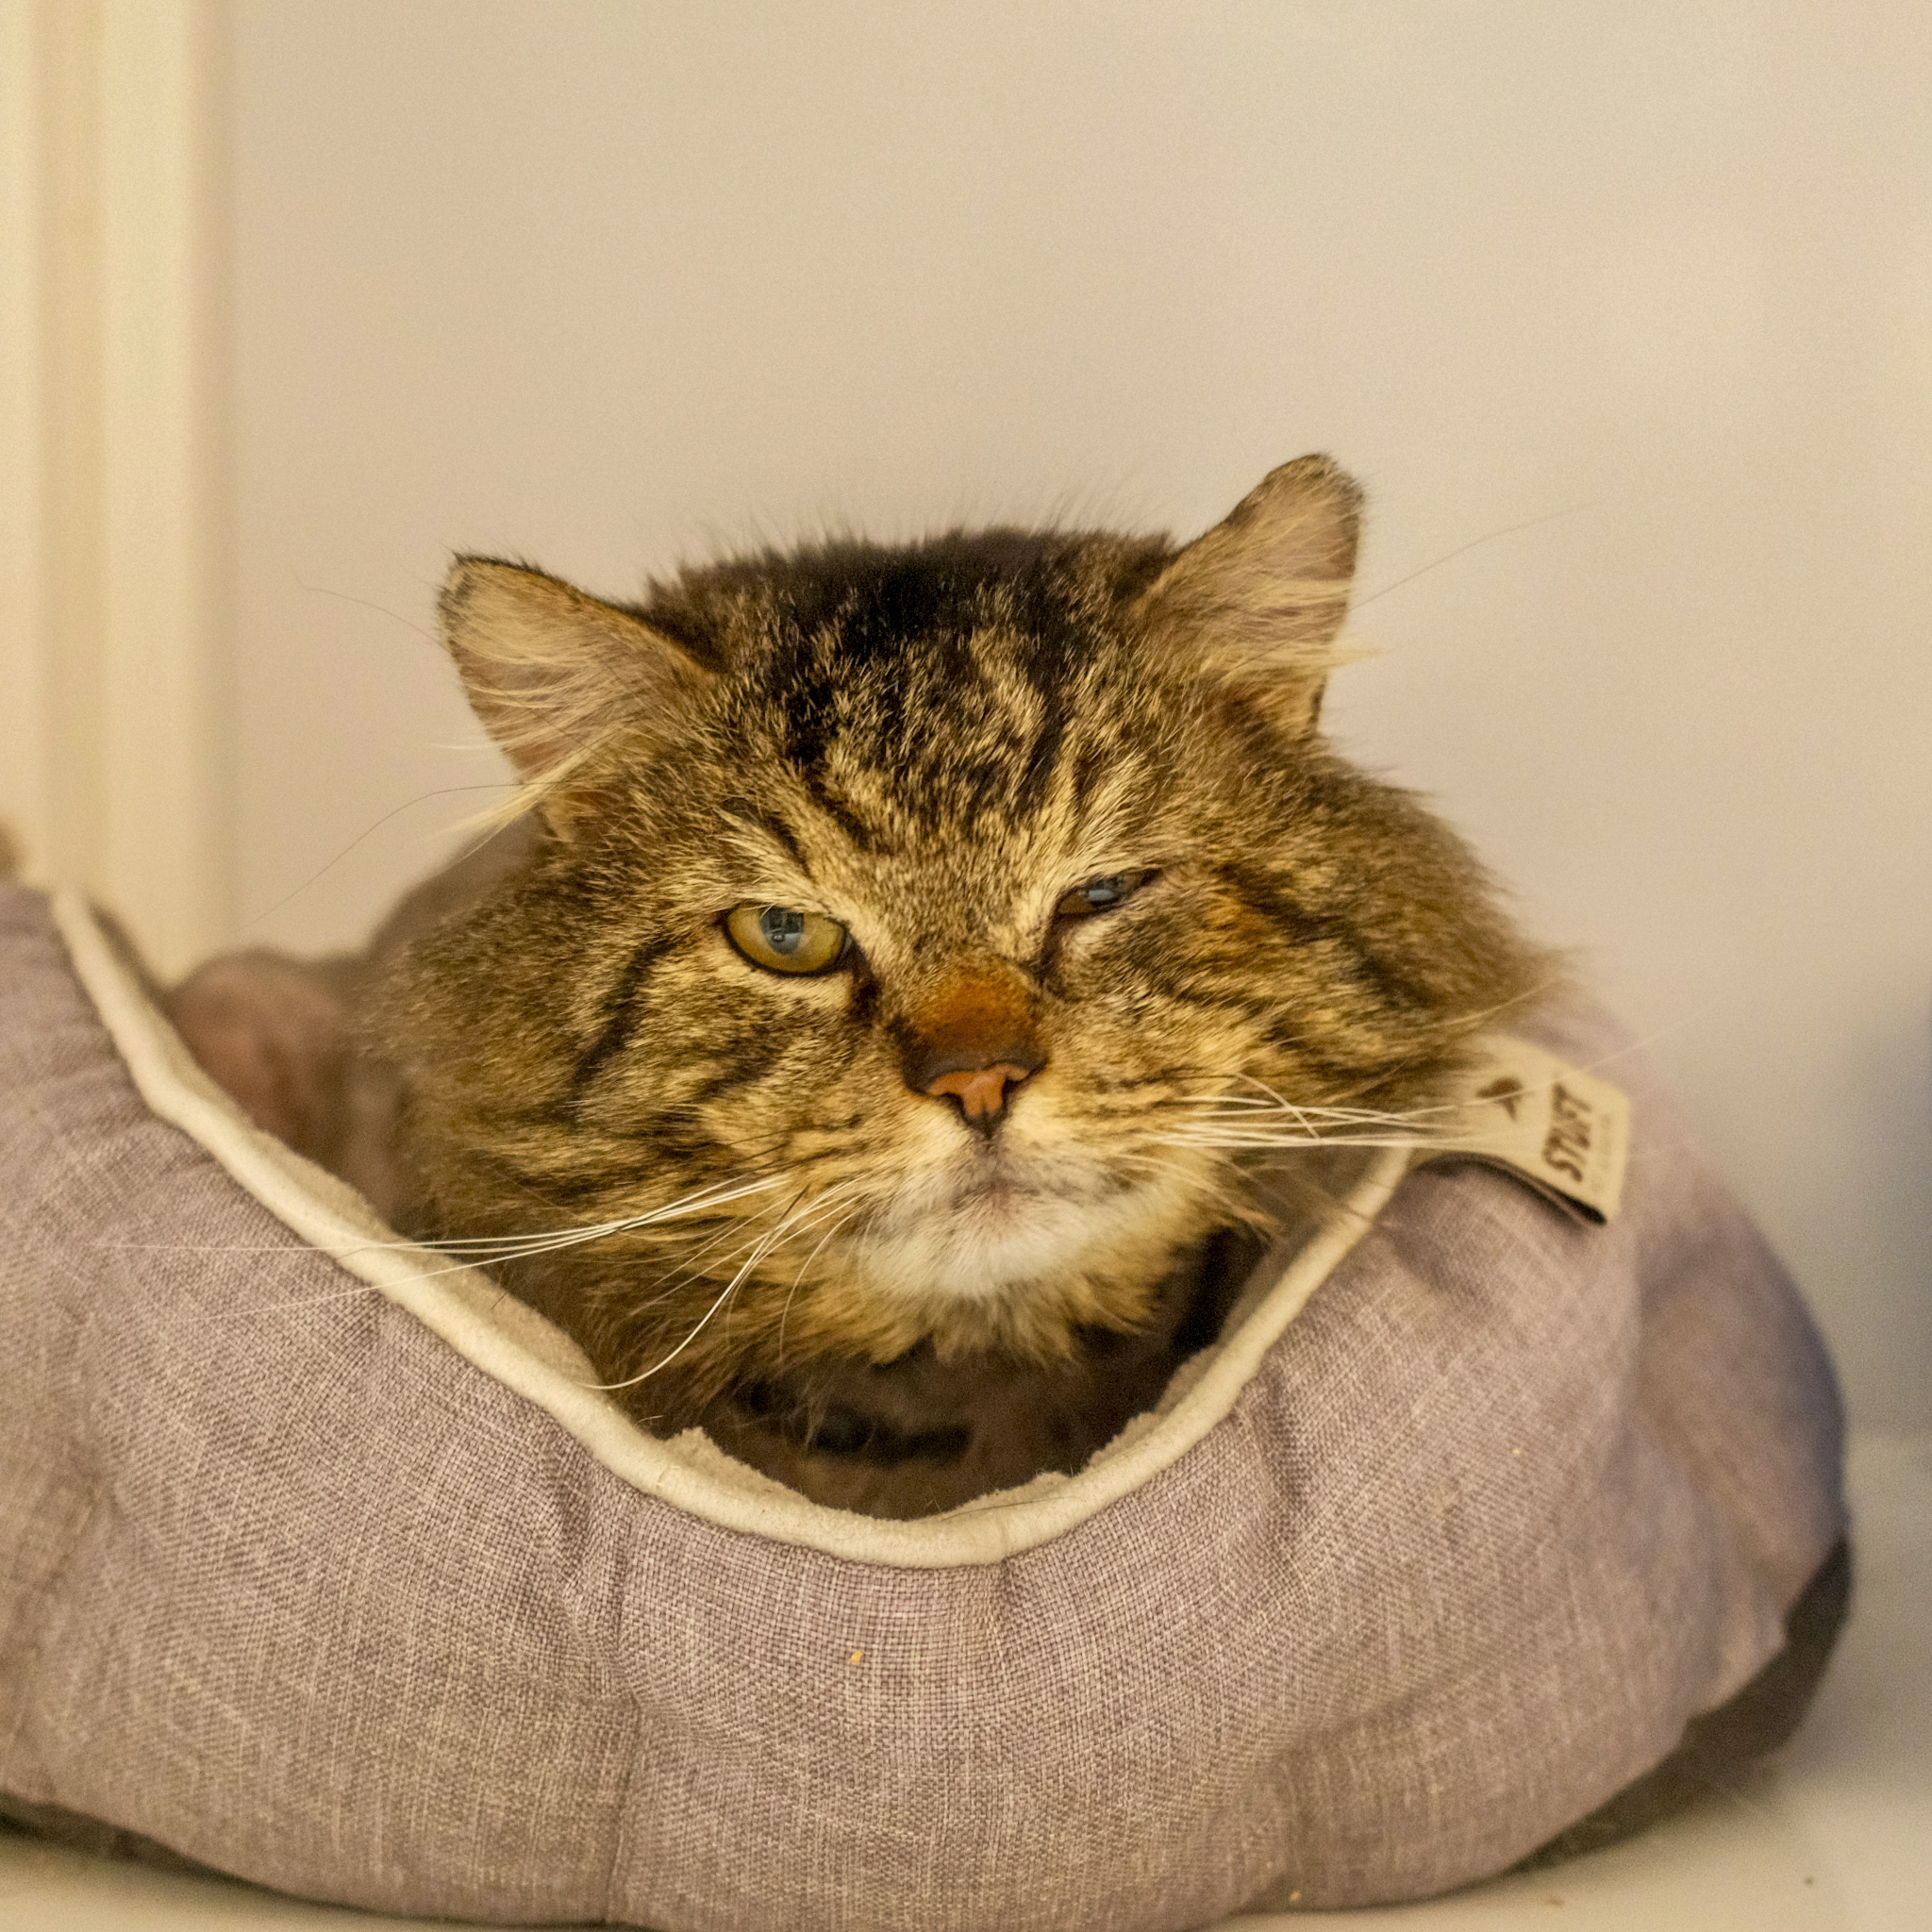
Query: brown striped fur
{"points": [[932, 745]]}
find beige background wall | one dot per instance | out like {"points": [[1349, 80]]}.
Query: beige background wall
{"points": [[1634, 298]]}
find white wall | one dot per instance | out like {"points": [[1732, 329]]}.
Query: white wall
{"points": [[599, 284]]}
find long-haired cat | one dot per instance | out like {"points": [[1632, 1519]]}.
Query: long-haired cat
{"points": [[834, 1046]]}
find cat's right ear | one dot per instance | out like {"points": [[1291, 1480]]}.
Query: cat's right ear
{"points": [[555, 675], [1256, 602]]}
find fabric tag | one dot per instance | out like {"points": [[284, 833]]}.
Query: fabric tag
{"points": [[1564, 1131]]}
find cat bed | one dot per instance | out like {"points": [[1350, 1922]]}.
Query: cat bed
{"points": [[323, 1566]]}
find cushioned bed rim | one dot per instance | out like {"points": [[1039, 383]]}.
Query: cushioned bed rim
{"points": [[518, 1348]]}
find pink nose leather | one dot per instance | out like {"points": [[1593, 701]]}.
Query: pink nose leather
{"points": [[981, 1091]]}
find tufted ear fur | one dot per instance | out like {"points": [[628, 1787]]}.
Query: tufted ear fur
{"points": [[1261, 598], [553, 675]]}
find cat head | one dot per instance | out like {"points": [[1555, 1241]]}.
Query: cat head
{"points": [[902, 927]]}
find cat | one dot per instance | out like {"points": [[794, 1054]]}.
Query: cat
{"points": [[836, 1043]]}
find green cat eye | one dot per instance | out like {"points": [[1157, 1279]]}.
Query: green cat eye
{"points": [[782, 941], [1100, 895]]}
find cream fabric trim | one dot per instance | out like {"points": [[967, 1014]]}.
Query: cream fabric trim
{"points": [[514, 1344]]}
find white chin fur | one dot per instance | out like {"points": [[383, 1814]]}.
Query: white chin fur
{"points": [[950, 1238]]}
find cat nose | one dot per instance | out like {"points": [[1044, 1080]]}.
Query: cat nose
{"points": [[974, 1043], [981, 1091]]}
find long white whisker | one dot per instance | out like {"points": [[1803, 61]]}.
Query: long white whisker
{"points": [[669, 1284], [1286, 1139], [794, 1219], [758, 1254], [1215, 1107], [630, 1381], [785, 1313], [824, 1239], [475, 1250], [715, 1195], [803, 1222]]}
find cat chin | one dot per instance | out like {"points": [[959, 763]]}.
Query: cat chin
{"points": [[997, 1237]]}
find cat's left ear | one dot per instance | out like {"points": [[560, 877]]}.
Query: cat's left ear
{"points": [[1259, 598], [554, 675]]}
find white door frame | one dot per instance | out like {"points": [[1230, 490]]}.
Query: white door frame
{"points": [[113, 746]]}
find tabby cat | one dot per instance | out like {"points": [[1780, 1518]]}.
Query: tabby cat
{"points": [[837, 1045]]}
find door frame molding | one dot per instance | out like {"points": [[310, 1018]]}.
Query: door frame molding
{"points": [[113, 719]]}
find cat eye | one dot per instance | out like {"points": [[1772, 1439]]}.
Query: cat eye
{"points": [[782, 941], [1100, 895]]}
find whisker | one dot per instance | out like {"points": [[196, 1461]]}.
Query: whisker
{"points": [[759, 1247], [1286, 1140], [758, 1254], [1236, 1103], [785, 1313], [688, 1271], [477, 1249], [714, 1195]]}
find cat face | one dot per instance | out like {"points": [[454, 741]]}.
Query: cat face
{"points": [[913, 917]]}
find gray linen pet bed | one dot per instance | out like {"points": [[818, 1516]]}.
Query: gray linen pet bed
{"points": [[320, 1564]]}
